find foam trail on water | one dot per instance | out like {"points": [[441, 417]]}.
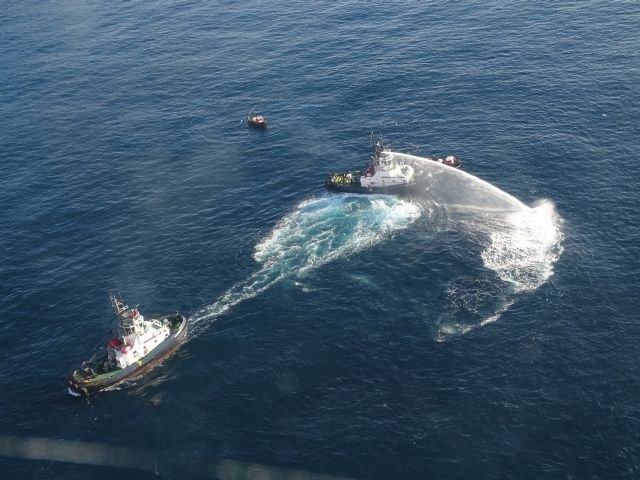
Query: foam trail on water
{"points": [[525, 249], [316, 232], [519, 244], [520, 249]]}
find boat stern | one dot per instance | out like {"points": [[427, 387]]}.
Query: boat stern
{"points": [[345, 182], [75, 386]]}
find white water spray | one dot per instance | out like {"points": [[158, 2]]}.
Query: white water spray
{"points": [[519, 244]]}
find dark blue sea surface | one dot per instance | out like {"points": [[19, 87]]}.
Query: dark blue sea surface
{"points": [[488, 329]]}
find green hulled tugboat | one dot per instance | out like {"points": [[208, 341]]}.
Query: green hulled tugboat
{"points": [[139, 345]]}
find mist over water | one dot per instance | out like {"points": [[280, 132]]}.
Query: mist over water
{"points": [[457, 188], [518, 244], [518, 252]]}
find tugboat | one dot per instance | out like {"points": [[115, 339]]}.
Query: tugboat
{"points": [[257, 121], [385, 174], [139, 345]]}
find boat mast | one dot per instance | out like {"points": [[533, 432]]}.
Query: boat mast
{"points": [[124, 316]]}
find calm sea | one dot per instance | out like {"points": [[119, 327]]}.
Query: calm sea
{"points": [[488, 329]]}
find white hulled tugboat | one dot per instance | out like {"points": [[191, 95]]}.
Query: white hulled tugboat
{"points": [[139, 345], [385, 174]]}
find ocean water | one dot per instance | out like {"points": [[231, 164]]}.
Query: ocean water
{"points": [[487, 329]]}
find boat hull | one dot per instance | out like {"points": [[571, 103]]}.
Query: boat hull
{"points": [[80, 384], [354, 186], [256, 123]]}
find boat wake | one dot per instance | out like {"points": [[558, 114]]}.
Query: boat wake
{"points": [[518, 245], [316, 232]]}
